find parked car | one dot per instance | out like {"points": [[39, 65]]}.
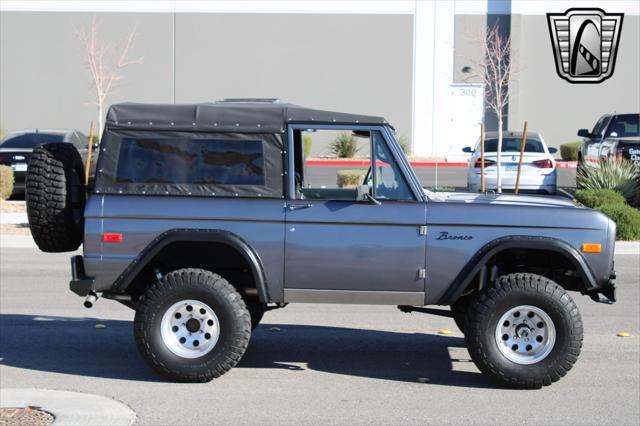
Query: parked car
{"points": [[538, 173], [202, 218], [614, 136], [16, 149]]}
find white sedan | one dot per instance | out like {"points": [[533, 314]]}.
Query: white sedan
{"points": [[538, 165]]}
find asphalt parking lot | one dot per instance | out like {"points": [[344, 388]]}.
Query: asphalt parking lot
{"points": [[310, 364]]}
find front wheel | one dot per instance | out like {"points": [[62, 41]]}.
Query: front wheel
{"points": [[524, 332], [192, 326]]}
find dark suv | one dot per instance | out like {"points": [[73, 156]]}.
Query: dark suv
{"points": [[16, 149]]}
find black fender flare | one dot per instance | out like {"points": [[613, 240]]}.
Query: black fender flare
{"points": [[473, 266], [195, 235]]}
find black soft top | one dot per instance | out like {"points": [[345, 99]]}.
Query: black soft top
{"points": [[229, 115]]}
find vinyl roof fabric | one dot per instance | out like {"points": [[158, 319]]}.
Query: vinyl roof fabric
{"points": [[243, 116]]}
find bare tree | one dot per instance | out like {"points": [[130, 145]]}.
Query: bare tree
{"points": [[105, 63], [495, 70]]}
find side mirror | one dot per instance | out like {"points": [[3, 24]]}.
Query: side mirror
{"points": [[362, 193], [553, 150], [584, 133], [467, 149]]}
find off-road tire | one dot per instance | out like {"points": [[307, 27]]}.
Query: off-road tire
{"points": [[209, 288], [55, 196], [506, 293], [459, 310]]}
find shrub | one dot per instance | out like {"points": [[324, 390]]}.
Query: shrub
{"points": [[569, 150], [345, 145], [404, 144], [599, 197], [350, 178], [306, 145], [6, 182], [620, 175], [626, 218]]}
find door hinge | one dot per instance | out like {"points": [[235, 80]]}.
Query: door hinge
{"points": [[423, 230], [422, 273]]}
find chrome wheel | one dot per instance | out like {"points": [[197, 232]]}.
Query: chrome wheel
{"points": [[190, 329], [525, 334]]}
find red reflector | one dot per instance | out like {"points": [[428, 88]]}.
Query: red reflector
{"points": [[108, 237], [543, 164]]}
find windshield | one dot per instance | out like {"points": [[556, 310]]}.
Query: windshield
{"points": [[31, 140], [513, 145], [624, 125]]}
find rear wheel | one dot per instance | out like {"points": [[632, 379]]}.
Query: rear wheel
{"points": [[192, 326], [524, 332]]}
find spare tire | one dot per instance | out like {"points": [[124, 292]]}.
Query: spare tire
{"points": [[55, 196]]}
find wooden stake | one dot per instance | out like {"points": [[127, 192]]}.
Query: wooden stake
{"points": [[524, 142], [482, 188], [87, 167]]}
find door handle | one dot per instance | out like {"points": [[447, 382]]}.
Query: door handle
{"points": [[293, 207]]}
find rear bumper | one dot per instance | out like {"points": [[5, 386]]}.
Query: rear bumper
{"points": [[80, 284]]}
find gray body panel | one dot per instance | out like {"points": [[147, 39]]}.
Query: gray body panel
{"points": [[485, 219], [259, 222], [342, 245], [376, 250]]}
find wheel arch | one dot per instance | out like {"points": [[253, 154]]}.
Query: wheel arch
{"points": [[523, 242], [214, 236]]}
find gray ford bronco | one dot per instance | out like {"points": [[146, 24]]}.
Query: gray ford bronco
{"points": [[203, 217]]}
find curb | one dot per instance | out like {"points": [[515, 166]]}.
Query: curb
{"points": [[71, 408], [362, 163]]}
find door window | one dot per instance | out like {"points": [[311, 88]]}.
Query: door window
{"points": [[390, 184], [600, 126], [349, 154]]}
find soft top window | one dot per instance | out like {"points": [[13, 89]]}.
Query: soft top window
{"points": [[191, 161], [190, 164]]}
